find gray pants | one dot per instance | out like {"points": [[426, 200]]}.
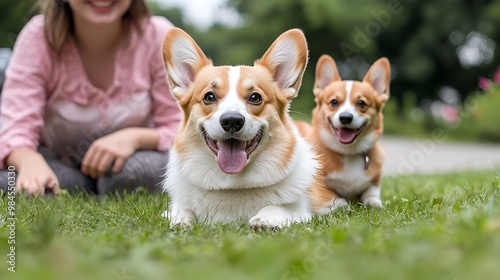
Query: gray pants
{"points": [[143, 169]]}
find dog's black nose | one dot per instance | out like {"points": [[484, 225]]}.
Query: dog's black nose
{"points": [[345, 118], [232, 122]]}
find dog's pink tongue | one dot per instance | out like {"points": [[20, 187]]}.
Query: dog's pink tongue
{"points": [[346, 135], [232, 157]]}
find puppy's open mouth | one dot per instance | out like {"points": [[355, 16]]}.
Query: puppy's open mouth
{"points": [[347, 135], [232, 154]]}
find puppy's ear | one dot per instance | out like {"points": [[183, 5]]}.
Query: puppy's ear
{"points": [[286, 59], [183, 60], [379, 76], [326, 72]]}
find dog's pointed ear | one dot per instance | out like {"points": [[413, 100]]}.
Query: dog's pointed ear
{"points": [[379, 76], [183, 60], [326, 72], [286, 59]]}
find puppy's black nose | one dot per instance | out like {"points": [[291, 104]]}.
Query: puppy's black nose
{"points": [[345, 118], [232, 122]]}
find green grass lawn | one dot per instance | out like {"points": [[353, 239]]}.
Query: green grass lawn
{"points": [[431, 227]]}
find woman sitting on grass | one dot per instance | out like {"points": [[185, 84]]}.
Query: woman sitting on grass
{"points": [[85, 104]]}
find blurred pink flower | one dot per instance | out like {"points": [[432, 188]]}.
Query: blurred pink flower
{"points": [[484, 83], [496, 76], [449, 113]]}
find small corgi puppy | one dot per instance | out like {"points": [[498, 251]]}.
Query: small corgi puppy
{"points": [[238, 154], [346, 125]]}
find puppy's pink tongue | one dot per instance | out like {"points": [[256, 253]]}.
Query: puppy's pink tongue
{"points": [[232, 157], [346, 135]]}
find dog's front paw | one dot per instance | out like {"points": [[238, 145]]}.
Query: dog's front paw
{"points": [[338, 204], [274, 217], [373, 202], [181, 219], [266, 220], [371, 197]]}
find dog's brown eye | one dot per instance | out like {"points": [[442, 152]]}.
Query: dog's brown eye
{"points": [[361, 104], [334, 102], [255, 99], [209, 98]]}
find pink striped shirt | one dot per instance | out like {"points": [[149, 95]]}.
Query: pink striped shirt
{"points": [[49, 102]]}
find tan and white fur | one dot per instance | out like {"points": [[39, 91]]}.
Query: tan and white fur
{"points": [[238, 156], [346, 125]]}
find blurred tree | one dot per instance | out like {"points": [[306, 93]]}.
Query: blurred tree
{"points": [[174, 15], [426, 41], [16, 14]]}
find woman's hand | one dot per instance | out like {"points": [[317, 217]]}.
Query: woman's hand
{"points": [[114, 149], [34, 174]]}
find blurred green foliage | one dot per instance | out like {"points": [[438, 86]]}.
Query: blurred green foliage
{"points": [[414, 35], [400, 122], [14, 16], [479, 117]]}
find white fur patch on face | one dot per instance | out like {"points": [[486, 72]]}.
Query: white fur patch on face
{"points": [[348, 88], [349, 108], [232, 103], [346, 106]]}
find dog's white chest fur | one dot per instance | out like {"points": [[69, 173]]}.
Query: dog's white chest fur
{"points": [[200, 191], [351, 181]]}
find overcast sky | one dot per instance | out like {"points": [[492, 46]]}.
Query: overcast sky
{"points": [[203, 13]]}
